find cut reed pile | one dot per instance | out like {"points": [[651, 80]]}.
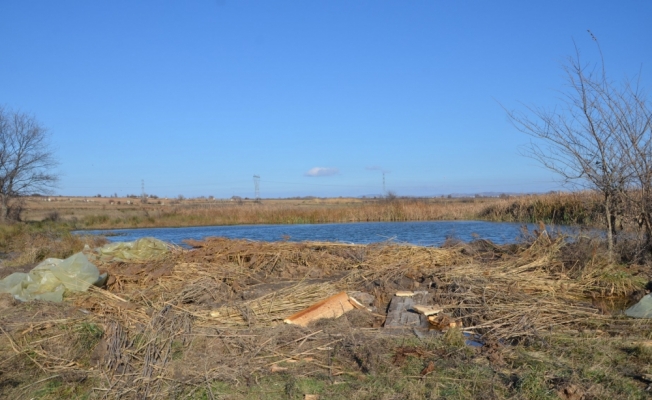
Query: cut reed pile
{"points": [[224, 283], [522, 295], [215, 312]]}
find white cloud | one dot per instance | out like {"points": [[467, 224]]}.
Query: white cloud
{"points": [[321, 171]]}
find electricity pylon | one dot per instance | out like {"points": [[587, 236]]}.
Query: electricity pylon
{"points": [[257, 187]]}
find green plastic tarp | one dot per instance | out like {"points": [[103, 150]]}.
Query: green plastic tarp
{"points": [[49, 279], [642, 309], [139, 250]]}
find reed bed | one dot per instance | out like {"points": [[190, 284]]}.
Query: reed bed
{"points": [[564, 208], [575, 208], [289, 212], [25, 244]]}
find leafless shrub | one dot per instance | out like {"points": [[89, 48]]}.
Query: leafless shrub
{"points": [[599, 138], [26, 161], [53, 216]]}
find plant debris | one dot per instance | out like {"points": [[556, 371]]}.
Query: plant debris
{"points": [[215, 313]]}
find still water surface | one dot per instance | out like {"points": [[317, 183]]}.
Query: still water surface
{"points": [[429, 233]]}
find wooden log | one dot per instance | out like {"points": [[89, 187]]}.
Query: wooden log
{"points": [[331, 307]]}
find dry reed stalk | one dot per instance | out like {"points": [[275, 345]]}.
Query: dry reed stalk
{"points": [[193, 214], [271, 308], [522, 293], [532, 272]]}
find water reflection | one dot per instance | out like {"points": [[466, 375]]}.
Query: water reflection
{"points": [[429, 233]]}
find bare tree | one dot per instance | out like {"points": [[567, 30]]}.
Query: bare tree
{"points": [[582, 138], [632, 116], [26, 161], [391, 196]]}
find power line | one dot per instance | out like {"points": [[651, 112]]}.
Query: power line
{"points": [[321, 184], [400, 186]]}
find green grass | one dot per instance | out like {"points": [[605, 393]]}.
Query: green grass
{"points": [[600, 366], [88, 335], [58, 387]]}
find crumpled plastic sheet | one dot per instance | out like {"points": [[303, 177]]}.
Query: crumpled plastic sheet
{"points": [[642, 309], [139, 250], [49, 279]]}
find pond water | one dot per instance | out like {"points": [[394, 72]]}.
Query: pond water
{"points": [[429, 233]]}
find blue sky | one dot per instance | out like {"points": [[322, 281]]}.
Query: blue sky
{"points": [[316, 97]]}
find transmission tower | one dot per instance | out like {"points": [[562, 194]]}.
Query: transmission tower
{"points": [[143, 199], [257, 187]]}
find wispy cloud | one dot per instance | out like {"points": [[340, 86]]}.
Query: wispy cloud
{"points": [[321, 171], [377, 168]]}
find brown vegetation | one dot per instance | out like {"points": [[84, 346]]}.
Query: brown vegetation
{"points": [[207, 323], [22, 246], [574, 208], [565, 208]]}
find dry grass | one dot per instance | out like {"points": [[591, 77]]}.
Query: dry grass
{"points": [[566, 208], [280, 213], [26, 245], [151, 332], [575, 208], [580, 208], [102, 215]]}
